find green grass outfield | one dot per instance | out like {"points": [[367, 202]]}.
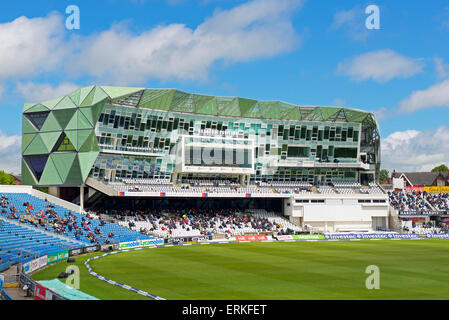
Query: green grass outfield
{"points": [[409, 269]]}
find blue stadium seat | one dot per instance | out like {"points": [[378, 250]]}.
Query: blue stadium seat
{"points": [[121, 234]]}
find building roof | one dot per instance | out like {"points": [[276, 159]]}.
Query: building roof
{"points": [[422, 178], [179, 101]]}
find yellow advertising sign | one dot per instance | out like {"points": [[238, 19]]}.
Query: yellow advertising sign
{"points": [[436, 189]]}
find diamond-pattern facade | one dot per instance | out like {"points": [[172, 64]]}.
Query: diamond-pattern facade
{"points": [[59, 144]]}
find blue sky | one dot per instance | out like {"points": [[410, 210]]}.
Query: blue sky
{"points": [[302, 52]]}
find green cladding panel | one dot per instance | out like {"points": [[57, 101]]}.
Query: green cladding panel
{"points": [[54, 131], [63, 163], [27, 176], [26, 140], [27, 127], [37, 108], [119, 92], [50, 104], [64, 116], [36, 146], [87, 160], [87, 96], [50, 138], [65, 103], [74, 175], [51, 124], [50, 176], [75, 97]]}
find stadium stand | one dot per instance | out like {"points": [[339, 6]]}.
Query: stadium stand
{"points": [[47, 216], [440, 201], [22, 244], [199, 186], [412, 204], [424, 227], [185, 223], [408, 201]]}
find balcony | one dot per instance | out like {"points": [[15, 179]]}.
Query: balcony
{"points": [[315, 164]]}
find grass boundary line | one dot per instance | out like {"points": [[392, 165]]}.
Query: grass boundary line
{"points": [[118, 284]]}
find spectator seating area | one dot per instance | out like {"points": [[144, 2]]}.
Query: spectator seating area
{"points": [[273, 218], [424, 228], [288, 187], [440, 201], [22, 244], [326, 190], [347, 187], [373, 189], [210, 183], [408, 201], [233, 187], [65, 222], [185, 223]]}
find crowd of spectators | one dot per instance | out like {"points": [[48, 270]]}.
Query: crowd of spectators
{"points": [[409, 201], [194, 222], [419, 201], [7, 207], [49, 220], [440, 201]]}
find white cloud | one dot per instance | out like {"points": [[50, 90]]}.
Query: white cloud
{"points": [[441, 69], [352, 22], [380, 66], [413, 150], [257, 29], [2, 90], [39, 92], [29, 46], [10, 153], [434, 96], [253, 30]]}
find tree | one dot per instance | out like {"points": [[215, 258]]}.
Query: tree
{"points": [[441, 168], [384, 175], [6, 178]]}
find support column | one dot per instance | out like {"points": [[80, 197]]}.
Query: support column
{"points": [[174, 178], [82, 198], [54, 191]]}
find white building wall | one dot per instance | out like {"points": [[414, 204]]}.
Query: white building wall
{"points": [[340, 213]]}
